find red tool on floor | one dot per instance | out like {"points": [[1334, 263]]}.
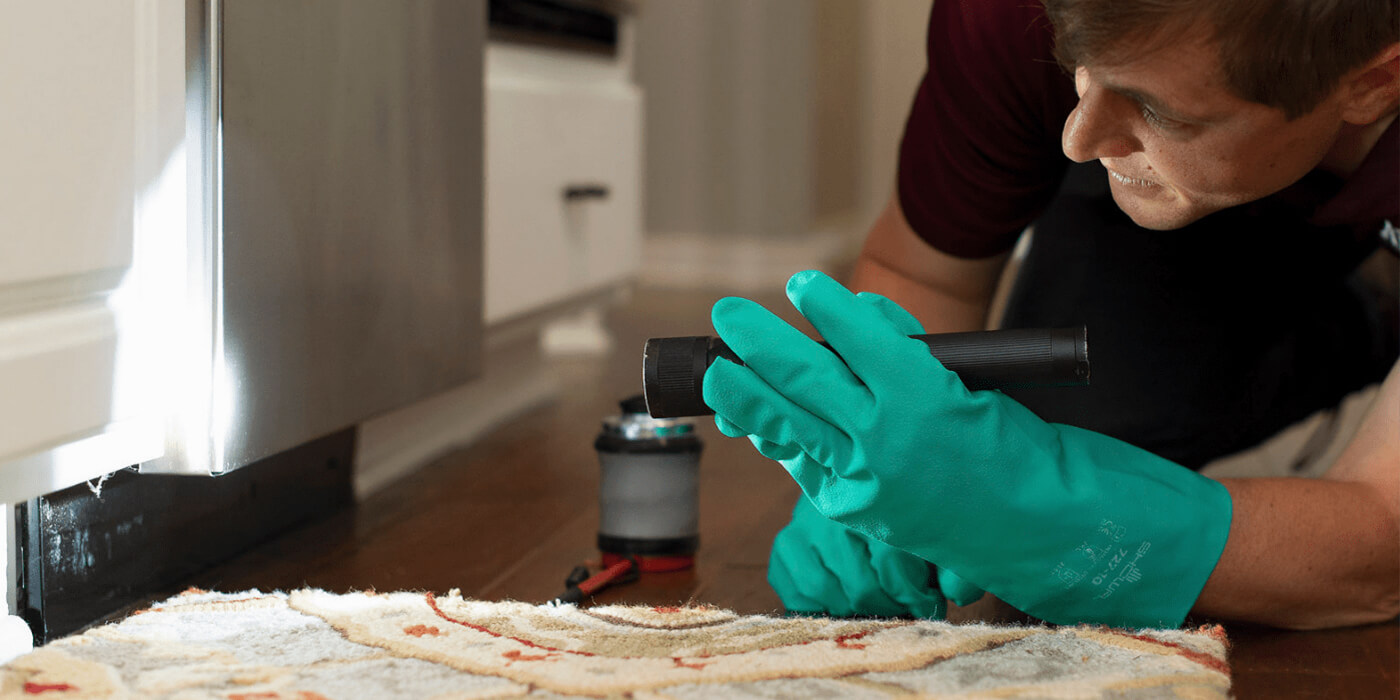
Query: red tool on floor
{"points": [[581, 584]]}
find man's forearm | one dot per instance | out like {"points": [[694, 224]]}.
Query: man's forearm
{"points": [[937, 309], [945, 293], [1306, 554]]}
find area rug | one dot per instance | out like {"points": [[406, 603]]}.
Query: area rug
{"points": [[314, 645]]}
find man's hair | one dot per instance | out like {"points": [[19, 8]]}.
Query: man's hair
{"points": [[1287, 54]]}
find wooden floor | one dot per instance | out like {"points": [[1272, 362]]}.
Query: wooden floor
{"points": [[509, 516]]}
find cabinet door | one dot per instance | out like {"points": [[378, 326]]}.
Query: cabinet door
{"points": [[80, 138]]}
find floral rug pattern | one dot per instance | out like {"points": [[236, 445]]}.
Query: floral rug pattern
{"points": [[314, 645]]}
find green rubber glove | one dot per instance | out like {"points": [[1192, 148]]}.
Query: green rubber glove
{"points": [[818, 566], [1065, 524]]}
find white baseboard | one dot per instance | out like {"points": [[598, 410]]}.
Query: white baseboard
{"points": [[581, 333], [515, 378], [696, 260]]}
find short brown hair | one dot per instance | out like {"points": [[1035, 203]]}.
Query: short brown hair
{"points": [[1287, 54]]}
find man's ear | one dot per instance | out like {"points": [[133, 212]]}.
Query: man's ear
{"points": [[1373, 89]]}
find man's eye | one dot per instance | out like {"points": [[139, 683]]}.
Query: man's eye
{"points": [[1157, 120]]}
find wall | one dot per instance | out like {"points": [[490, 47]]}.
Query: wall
{"points": [[771, 131], [838, 115], [728, 86], [893, 60]]}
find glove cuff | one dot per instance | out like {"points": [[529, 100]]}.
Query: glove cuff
{"points": [[1153, 579]]}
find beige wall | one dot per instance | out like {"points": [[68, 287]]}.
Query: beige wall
{"points": [[727, 84], [774, 119], [893, 62], [838, 113], [870, 57]]}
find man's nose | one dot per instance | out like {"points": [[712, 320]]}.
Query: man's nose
{"points": [[1099, 127]]}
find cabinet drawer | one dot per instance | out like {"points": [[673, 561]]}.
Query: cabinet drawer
{"points": [[57, 369], [563, 192]]}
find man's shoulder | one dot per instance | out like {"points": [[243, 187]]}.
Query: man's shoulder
{"points": [[1003, 36], [1369, 199], [981, 149], [1013, 20]]}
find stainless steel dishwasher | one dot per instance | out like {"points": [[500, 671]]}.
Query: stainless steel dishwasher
{"points": [[335, 236]]}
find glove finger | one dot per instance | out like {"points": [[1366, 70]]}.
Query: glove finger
{"points": [[772, 450], [906, 578], [903, 321], [801, 580], [812, 547], [808, 374], [844, 551], [745, 400], [728, 428], [777, 452], [810, 476], [874, 349], [885, 585], [957, 589], [797, 594]]}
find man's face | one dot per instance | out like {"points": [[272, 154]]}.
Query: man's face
{"points": [[1179, 145]]}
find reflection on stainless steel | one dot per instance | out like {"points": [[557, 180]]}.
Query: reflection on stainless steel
{"points": [[343, 215]]}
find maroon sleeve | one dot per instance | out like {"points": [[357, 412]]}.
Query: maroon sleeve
{"points": [[981, 152]]}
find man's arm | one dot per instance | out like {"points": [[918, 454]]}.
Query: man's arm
{"points": [[1312, 553], [946, 293]]}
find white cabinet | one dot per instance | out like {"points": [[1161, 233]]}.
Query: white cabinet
{"points": [[66, 211], [86, 131], [563, 176]]}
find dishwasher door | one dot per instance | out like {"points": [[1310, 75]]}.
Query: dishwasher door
{"points": [[336, 172]]}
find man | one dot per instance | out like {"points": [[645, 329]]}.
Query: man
{"points": [[1249, 152]]}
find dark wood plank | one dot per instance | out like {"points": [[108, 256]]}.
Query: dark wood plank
{"points": [[1352, 651], [1357, 662], [1248, 685]]}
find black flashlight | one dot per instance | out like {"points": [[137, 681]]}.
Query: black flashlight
{"points": [[673, 369]]}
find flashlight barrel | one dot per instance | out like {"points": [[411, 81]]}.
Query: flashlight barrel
{"points": [[673, 369]]}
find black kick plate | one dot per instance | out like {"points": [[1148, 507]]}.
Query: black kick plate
{"points": [[85, 557]]}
